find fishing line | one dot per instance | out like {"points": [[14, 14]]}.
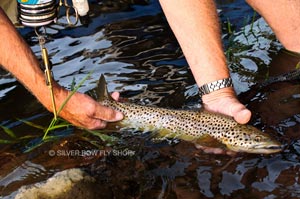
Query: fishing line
{"points": [[40, 13]]}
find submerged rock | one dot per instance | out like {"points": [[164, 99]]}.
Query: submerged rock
{"points": [[71, 183]]}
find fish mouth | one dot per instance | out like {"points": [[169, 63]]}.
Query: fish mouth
{"points": [[259, 149], [266, 149]]}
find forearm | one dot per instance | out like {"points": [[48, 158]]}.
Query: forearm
{"points": [[284, 18], [196, 26], [17, 58]]}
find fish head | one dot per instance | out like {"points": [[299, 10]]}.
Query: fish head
{"points": [[246, 138]]}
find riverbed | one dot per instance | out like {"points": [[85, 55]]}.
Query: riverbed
{"points": [[131, 43]]}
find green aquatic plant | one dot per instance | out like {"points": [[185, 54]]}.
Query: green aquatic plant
{"points": [[10, 133], [252, 21], [34, 141], [229, 25], [233, 46], [102, 134], [13, 138], [54, 124]]}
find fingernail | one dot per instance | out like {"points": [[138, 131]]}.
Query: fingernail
{"points": [[244, 116], [119, 116]]}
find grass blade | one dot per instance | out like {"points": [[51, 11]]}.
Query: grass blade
{"points": [[9, 132], [73, 92], [59, 126], [54, 121], [32, 124], [103, 137], [7, 141]]}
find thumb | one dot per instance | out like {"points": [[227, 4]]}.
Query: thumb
{"points": [[240, 113], [108, 114]]}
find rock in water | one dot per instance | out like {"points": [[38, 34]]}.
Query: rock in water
{"points": [[71, 183]]}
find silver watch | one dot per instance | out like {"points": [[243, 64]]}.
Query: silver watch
{"points": [[214, 86]]}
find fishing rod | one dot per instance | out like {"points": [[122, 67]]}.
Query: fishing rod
{"points": [[38, 14]]}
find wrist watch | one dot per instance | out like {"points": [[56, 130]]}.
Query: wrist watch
{"points": [[214, 86]]}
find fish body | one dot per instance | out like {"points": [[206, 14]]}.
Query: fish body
{"points": [[191, 125]]}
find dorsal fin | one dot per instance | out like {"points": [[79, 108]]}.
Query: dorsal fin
{"points": [[102, 92]]}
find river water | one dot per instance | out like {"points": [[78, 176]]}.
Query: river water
{"points": [[131, 43]]}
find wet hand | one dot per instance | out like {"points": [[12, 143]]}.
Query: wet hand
{"points": [[224, 101], [83, 111], [212, 150]]}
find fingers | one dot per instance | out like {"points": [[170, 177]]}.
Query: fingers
{"points": [[225, 102], [231, 107], [240, 113], [107, 114], [104, 114], [101, 116], [83, 111], [115, 96], [95, 124], [212, 150]]}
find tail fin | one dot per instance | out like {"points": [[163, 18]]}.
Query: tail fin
{"points": [[102, 92]]}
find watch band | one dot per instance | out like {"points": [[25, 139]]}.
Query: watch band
{"points": [[214, 86]]}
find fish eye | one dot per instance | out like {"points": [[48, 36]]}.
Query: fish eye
{"points": [[257, 138]]}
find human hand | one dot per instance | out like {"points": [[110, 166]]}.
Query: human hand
{"points": [[83, 111], [215, 150], [224, 101]]}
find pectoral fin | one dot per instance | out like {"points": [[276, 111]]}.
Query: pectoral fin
{"points": [[208, 141]]}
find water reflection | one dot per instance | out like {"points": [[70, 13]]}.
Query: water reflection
{"points": [[135, 49], [22, 172]]}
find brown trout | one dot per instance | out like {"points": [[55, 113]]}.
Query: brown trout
{"points": [[190, 125]]}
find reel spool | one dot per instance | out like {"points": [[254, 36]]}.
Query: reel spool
{"points": [[35, 13]]}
